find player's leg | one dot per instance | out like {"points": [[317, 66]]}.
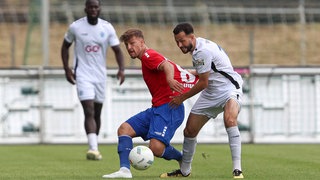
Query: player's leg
{"points": [[133, 127], [231, 110], [167, 152], [194, 124], [125, 134], [99, 91], [97, 116], [94, 153], [165, 120], [93, 117], [86, 94], [125, 144], [170, 153], [90, 128]]}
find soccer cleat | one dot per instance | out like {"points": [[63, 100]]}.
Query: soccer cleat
{"points": [[94, 155], [175, 173], [118, 174], [237, 174]]}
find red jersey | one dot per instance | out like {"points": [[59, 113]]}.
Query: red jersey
{"points": [[156, 79]]}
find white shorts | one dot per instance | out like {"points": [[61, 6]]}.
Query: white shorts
{"points": [[213, 107], [91, 91]]}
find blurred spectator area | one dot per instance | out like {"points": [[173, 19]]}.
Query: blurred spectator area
{"points": [[61, 10], [282, 32]]}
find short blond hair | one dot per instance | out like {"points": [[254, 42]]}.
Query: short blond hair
{"points": [[131, 33]]}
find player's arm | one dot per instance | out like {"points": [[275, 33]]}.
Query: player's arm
{"points": [[168, 69], [65, 61], [193, 72], [198, 87], [120, 60]]}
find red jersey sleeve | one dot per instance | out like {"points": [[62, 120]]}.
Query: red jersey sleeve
{"points": [[156, 59]]}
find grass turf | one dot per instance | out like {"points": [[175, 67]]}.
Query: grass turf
{"points": [[211, 161]]}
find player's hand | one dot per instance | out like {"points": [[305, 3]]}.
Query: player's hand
{"points": [[120, 76], [176, 101], [176, 86], [70, 76]]}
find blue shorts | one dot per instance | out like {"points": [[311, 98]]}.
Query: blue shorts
{"points": [[157, 122]]}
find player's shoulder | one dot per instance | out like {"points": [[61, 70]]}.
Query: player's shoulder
{"points": [[151, 53], [105, 23], [77, 23], [205, 46], [205, 43]]}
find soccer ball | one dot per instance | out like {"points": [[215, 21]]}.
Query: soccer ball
{"points": [[141, 157]]}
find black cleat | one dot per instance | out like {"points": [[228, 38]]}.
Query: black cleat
{"points": [[237, 174], [175, 173]]}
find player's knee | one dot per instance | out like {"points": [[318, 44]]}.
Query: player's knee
{"points": [[190, 132], [230, 122], [157, 148], [156, 151], [124, 129]]}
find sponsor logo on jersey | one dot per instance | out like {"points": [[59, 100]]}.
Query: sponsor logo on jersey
{"points": [[146, 54], [93, 48], [102, 34], [198, 62], [186, 85]]}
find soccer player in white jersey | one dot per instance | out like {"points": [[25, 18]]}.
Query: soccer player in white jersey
{"points": [[92, 36], [221, 91]]}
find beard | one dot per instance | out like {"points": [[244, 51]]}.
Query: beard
{"points": [[190, 47], [187, 49]]}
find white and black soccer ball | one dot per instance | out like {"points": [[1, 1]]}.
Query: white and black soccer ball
{"points": [[141, 157]]}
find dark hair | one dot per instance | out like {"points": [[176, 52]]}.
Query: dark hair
{"points": [[131, 33], [183, 27], [87, 2]]}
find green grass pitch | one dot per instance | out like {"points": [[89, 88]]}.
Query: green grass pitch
{"points": [[211, 161]]}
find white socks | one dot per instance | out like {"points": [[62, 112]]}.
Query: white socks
{"points": [[235, 146], [189, 148], [125, 170], [93, 141]]}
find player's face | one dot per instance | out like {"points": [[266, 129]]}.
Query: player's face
{"points": [[92, 9], [184, 42], [135, 47]]}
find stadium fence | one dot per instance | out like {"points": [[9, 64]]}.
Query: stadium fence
{"points": [[280, 105]]}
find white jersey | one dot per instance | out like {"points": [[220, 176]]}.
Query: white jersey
{"points": [[91, 43], [209, 56]]}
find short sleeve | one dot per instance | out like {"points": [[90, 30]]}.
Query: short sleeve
{"points": [[113, 38], [202, 62], [69, 36]]}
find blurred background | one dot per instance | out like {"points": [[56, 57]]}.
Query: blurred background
{"points": [[273, 44]]}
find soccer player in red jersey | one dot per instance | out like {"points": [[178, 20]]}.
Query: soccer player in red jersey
{"points": [[158, 123]]}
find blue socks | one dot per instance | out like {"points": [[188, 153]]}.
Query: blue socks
{"points": [[171, 153], [124, 147]]}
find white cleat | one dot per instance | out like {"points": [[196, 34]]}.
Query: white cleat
{"points": [[122, 173], [94, 155]]}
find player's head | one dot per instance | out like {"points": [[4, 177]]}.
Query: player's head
{"points": [[92, 9], [184, 37], [134, 42]]}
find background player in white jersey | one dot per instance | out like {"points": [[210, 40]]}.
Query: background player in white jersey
{"points": [[221, 91], [92, 36]]}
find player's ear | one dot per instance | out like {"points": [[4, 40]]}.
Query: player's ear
{"points": [[192, 36]]}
